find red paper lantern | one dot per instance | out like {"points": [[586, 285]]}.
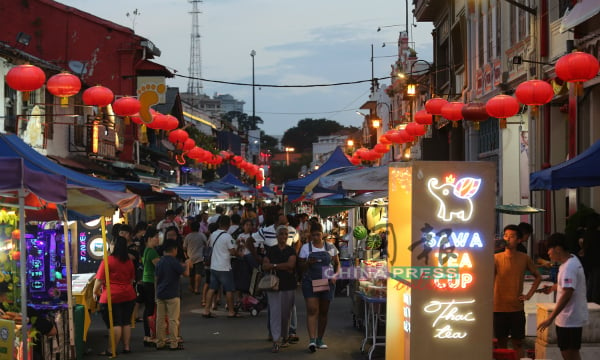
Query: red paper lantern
{"points": [[25, 78], [195, 153], [188, 144], [355, 161], [395, 136], [406, 137], [534, 92], [434, 106], [423, 117], [360, 153], [126, 106], [171, 122], [159, 121], [381, 148], [178, 137], [383, 139], [453, 112], [137, 119], [64, 85], [97, 96], [501, 107], [475, 111], [415, 129], [577, 67]]}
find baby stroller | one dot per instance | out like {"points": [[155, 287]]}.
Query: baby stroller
{"points": [[253, 304]]}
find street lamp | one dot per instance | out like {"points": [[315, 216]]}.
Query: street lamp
{"points": [[288, 150], [252, 53]]}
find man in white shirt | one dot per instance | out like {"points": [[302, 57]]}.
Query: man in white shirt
{"points": [[223, 247], [570, 312]]}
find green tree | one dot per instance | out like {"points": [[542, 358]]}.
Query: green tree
{"points": [[307, 131], [268, 142], [245, 122]]}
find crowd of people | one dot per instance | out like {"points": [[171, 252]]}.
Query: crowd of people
{"points": [[224, 255]]}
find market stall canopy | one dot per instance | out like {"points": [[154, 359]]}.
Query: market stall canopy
{"points": [[580, 171], [516, 209], [295, 189], [233, 180], [229, 182], [582, 11], [190, 192], [12, 146], [16, 175], [357, 179], [334, 204]]}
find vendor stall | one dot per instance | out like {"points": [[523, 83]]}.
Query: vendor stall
{"points": [[18, 182]]}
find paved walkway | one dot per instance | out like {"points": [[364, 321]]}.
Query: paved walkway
{"points": [[245, 338]]}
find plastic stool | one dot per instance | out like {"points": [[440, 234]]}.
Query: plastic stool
{"points": [[505, 354]]}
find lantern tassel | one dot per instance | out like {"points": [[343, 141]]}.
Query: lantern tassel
{"points": [[503, 123], [64, 102], [578, 89], [455, 124], [476, 125]]}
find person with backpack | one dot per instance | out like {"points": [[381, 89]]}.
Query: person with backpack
{"points": [[223, 247]]}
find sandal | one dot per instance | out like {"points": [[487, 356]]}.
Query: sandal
{"points": [[208, 316], [105, 353], [233, 316]]}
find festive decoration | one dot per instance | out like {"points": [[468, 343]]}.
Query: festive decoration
{"points": [[25, 78], [534, 93], [453, 112], [171, 122], [502, 107], [381, 148], [178, 137], [475, 111], [434, 106], [383, 139], [64, 85], [97, 96], [415, 129], [126, 106], [423, 117], [159, 121], [395, 136], [577, 67], [188, 144]]}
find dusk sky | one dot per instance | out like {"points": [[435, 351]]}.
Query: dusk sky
{"points": [[297, 43]]}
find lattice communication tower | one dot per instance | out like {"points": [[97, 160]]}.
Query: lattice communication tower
{"points": [[195, 69]]}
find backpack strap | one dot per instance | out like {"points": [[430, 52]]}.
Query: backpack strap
{"points": [[217, 238]]}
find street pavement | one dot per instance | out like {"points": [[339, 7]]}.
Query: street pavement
{"points": [[239, 338]]}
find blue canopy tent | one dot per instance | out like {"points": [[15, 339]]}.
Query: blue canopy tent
{"points": [[12, 146], [190, 192], [580, 171], [295, 189], [229, 182]]}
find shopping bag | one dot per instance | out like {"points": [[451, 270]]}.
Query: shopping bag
{"points": [[254, 280], [320, 285]]}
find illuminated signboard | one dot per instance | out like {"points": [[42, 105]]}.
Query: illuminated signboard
{"points": [[441, 214]]}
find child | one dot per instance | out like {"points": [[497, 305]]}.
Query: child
{"points": [[168, 271]]}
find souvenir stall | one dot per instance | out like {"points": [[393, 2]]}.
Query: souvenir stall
{"points": [[18, 186]]}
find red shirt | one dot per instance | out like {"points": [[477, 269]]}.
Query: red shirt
{"points": [[121, 276]]}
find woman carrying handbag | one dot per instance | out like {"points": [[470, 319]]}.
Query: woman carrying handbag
{"points": [[317, 258], [281, 260]]}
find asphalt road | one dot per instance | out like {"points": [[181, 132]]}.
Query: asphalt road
{"points": [[241, 338]]}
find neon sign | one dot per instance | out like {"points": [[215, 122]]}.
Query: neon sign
{"points": [[449, 313], [454, 197]]}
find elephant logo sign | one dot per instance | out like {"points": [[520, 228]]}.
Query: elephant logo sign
{"points": [[454, 197]]}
